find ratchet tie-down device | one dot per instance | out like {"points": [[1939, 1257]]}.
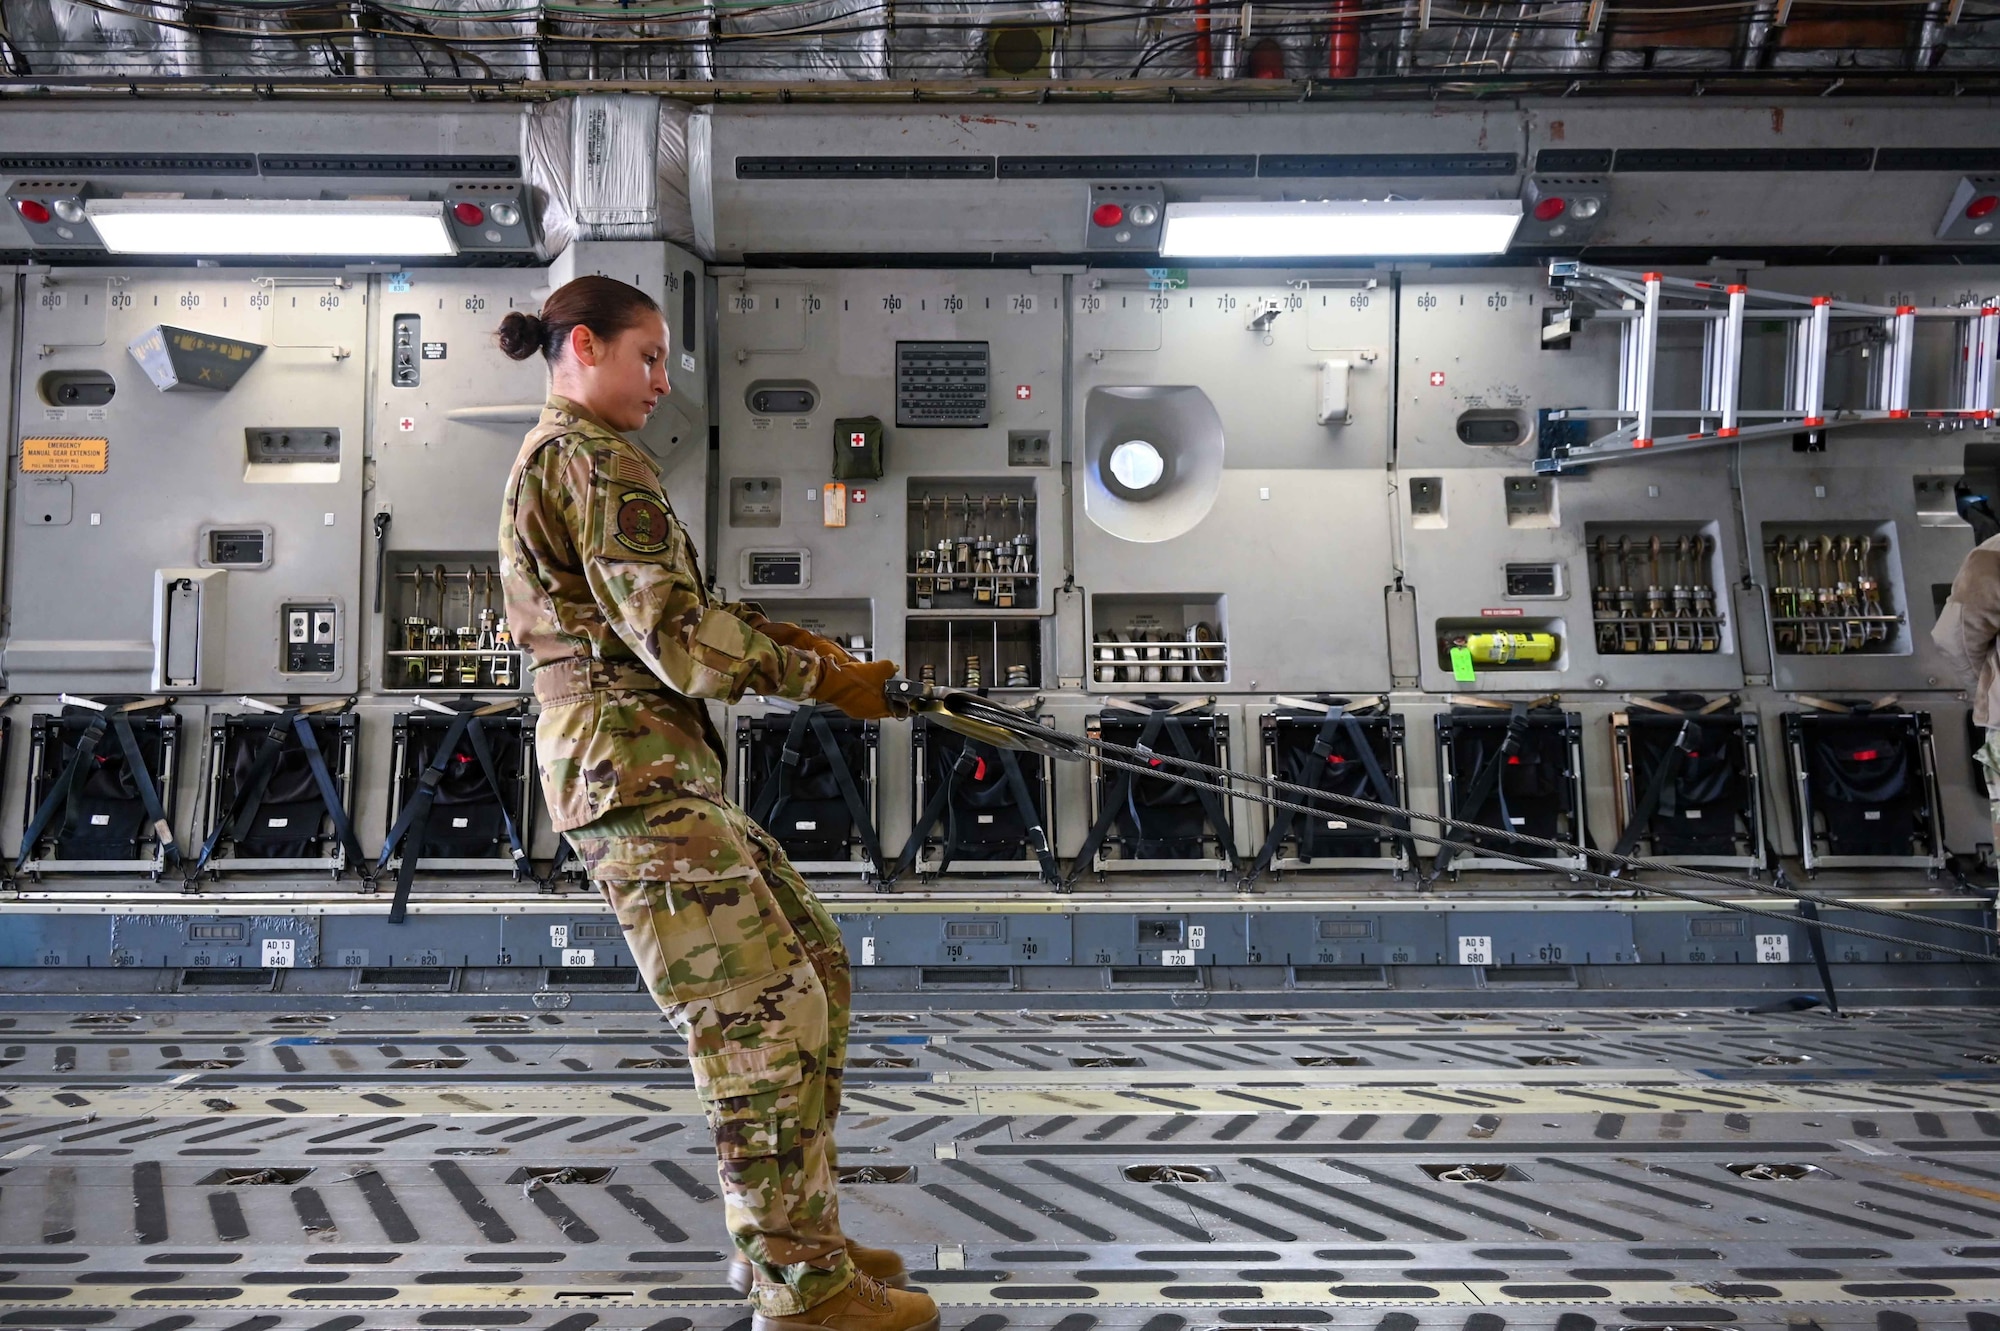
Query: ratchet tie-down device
{"points": [[1009, 728]]}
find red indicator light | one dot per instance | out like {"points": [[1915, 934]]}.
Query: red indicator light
{"points": [[1982, 206], [32, 209], [468, 214], [1866, 755], [1107, 214], [979, 771], [1549, 209]]}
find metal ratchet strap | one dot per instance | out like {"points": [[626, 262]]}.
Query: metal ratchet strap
{"points": [[329, 794], [1486, 781], [149, 794], [64, 786], [1281, 824], [1848, 709], [1114, 798], [382, 521], [1685, 741], [1031, 817], [1384, 792], [235, 824], [484, 753], [1210, 797], [777, 789], [564, 854], [415, 819], [1809, 912], [850, 794], [933, 810]]}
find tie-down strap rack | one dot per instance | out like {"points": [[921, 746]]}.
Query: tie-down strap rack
{"points": [[1008, 728]]}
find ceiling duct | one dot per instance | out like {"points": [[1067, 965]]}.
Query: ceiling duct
{"points": [[805, 40], [615, 192], [610, 167]]}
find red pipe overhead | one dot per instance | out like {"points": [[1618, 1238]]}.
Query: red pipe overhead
{"points": [[1343, 43]]}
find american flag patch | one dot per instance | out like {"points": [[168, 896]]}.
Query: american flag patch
{"points": [[625, 467]]}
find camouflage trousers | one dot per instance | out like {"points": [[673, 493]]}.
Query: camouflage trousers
{"points": [[749, 967]]}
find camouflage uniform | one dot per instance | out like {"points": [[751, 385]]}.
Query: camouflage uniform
{"points": [[606, 598]]}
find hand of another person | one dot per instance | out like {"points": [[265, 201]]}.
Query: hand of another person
{"points": [[855, 687]]}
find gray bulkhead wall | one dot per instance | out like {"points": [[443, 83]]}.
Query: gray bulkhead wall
{"points": [[432, 456], [1471, 343], [1310, 524]]}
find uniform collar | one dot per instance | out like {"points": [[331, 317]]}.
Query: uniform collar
{"points": [[558, 403]]}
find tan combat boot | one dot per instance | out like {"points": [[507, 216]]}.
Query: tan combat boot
{"points": [[865, 1305], [881, 1263]]}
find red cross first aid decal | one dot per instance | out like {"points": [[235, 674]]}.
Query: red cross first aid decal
{"points": [[1023, 392], [1437, 378]]}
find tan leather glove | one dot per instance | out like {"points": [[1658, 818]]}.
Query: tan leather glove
{"points": [[855, 687], [791, 635]]}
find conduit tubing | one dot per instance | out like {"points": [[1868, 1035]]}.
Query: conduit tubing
{"points": [[1343, 41]]}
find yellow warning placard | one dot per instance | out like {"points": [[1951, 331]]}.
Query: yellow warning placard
{"points": [[90, 456]]}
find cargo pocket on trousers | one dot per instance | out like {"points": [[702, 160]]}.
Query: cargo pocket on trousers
{"points": [[752, 1098], [690, 940]]}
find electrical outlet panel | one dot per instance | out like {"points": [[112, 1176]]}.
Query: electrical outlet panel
{"points": [[311, 638]]}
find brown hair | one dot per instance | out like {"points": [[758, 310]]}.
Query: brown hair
{"points": [[604, 305]]}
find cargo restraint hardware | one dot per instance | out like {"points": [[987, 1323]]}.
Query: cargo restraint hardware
{"points": [[1641, 303], [1011, 729]]}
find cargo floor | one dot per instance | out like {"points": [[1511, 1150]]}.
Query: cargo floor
{"points": [[1166, 1170]]}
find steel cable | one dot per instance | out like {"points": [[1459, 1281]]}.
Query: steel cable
{"points": [[1695, 898], [1149, 762]]}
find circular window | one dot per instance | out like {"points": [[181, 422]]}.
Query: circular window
{"points": [[1136, 464]]}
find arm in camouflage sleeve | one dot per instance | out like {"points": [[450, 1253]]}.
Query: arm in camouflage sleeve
{"points": [[641, 574], [789, 635]]}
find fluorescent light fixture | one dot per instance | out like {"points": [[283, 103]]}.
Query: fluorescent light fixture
{"points": [[1364, 228], [338, 227]]}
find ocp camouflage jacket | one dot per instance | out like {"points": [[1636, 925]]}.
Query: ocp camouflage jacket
{"points": [[605, 598]]}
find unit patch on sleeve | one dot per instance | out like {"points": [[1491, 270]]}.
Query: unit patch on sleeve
{"points": [[643, 525]]}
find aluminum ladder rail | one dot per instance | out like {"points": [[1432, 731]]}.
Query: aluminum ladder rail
{"points": [[1638, 303]]}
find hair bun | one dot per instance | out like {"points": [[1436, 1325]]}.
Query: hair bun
{"points": [[521, 334]]}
